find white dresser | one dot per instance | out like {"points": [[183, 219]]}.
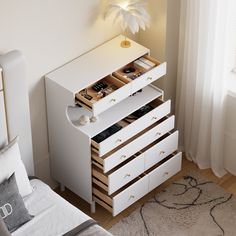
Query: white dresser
{"points": [[118, 169]]}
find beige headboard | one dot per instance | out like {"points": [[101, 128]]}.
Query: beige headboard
{"points": [[14, 106], [3, 123]]}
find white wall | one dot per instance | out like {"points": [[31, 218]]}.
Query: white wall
{"points": [[154, 37], [49, 33], [52, 32], [163, 40]]}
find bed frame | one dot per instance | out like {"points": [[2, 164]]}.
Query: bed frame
{"points": [[15, 120], [14, 106]]}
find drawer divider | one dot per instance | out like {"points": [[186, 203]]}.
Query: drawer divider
{"points": [[102, 196], [97, 158], [97, 164], [99, 176], [100, 184], [103, 204]]}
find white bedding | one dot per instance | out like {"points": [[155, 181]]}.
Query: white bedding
{"points": [[52, 214]]}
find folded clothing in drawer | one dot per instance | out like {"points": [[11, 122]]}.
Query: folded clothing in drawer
{"points": [[135, 144], [134, 123]]}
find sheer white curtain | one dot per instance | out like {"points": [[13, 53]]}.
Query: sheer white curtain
{"points": [[202, 73]]}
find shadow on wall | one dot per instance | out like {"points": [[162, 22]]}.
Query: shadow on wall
{"points": [[40, 140], [97, 12], [230, 134]]}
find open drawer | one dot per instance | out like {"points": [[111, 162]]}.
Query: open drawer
{"points": [[132, 125], [142, 161], [160, 149], [139, 187], [160, 173], [141, 72], [103, 94], [120, 176], [123, 198], [134, 145]]}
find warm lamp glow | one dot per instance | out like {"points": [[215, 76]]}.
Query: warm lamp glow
{"points": [[124, 5], [131, 14]]}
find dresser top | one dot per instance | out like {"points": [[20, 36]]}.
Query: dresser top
{"points": [[96, 64]]}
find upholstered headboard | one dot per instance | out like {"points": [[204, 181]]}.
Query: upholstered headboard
{"points": [[14, 106]]}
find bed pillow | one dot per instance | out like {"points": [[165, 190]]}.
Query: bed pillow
{"points": [[3, 229], [10, 162], [12, 207]]}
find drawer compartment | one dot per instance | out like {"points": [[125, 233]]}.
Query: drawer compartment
{"points": [[156, 152], [165, 171], [135, 144], [114, 180], [124, 198], [143, 71], [139, 187], [103, 94], [130, 195], [135, 124]]}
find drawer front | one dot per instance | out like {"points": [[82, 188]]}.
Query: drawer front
{"points": [[111, 99], [130, 195], [148, 77], [138, 144], [125, 174], [161, 150], [134, 128], [165, 171]]}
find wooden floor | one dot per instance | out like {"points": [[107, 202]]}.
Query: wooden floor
{"points": [[105, 219]]}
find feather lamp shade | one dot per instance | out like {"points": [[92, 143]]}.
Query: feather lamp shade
{"points": [[130, 14]]}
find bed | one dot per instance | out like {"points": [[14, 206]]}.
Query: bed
{"points": [[51, 214], [54, 215]]}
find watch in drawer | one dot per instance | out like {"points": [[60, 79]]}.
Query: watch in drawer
{"points": [[134, 145], [132, 125], [103, 94], [138, 187], [141, 72]]}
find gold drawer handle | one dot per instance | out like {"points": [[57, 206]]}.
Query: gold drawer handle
{"points": [[149, 78], [158, 134], [162, 152], [131, 197], [123, 157], [127, 175], [166, 173], [113, 100], [119, 140]]}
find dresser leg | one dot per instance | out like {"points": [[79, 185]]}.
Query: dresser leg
{"points": [[62, 187], [93, 207]]}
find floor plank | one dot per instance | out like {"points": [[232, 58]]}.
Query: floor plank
{"points": [[105, 219]]}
